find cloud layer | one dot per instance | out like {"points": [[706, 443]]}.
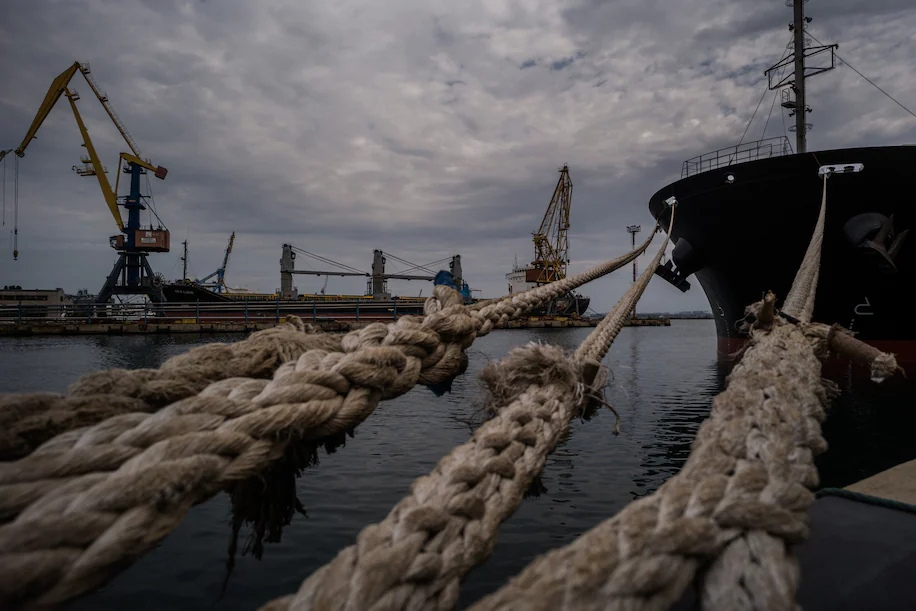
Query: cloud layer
{"points": [[422, 128]]}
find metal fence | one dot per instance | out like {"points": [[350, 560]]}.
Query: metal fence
{"points": [[243, 311], [748, 151]]}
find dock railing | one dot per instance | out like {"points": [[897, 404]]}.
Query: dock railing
{"points": [[747, 151], [243, 311]]}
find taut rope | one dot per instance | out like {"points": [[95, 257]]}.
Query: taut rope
{"points": [[89, 501], [800, 300], [730, 516], [737, 503], [416, 557], [28, 420]]}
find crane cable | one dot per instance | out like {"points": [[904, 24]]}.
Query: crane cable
{"points": [[15, 208], [870, 82], [152, 202]]}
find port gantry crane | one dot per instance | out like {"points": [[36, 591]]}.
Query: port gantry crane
{"points": [[377, 285], [220, 274], [551, 241], [131, 274]]}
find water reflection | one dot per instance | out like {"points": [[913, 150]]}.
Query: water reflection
{"points": [[134, 352], [683, 410], [26, 361], [557, 337]]}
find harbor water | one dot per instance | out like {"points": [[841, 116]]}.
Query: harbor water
{"points": [[240, 551]]}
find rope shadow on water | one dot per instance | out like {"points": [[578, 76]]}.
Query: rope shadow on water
{"points": [[268, 502]]}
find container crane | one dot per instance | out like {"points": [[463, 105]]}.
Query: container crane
{"points": [[131, 274], [220, 274]]}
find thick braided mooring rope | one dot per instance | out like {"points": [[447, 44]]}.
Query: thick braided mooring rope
{"points": [[800, 300], [738, 504], [728, 519], [417, 556], [89, 501], [28, 420]]}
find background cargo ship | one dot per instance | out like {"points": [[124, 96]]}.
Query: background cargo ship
{"points": [[187, 299], [745, 217], [551, 255]]}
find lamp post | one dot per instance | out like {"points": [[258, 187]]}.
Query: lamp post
{"points": [[633, 230]]}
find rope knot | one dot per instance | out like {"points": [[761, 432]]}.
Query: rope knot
{"points": [[443, 298], [531, 365], [759, 316], [377, 368]]}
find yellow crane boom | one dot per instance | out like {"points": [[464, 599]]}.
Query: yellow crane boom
{"points": [[92, 165], [132, 273], [551, 242]]}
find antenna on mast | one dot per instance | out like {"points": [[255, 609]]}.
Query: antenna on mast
{"points": [[793, 96], [184, 262]]}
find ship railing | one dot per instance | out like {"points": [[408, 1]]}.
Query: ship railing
{"points": [[238, 311], [747, 151]]}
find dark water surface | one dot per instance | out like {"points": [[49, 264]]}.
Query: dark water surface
{"points": [[663, 380]]}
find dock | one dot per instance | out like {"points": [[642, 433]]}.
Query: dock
{"points": [[50, 327], [32, 329], [558, 322], [895, 484]]}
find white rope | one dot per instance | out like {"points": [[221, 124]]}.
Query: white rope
{"points": [[800, 300]]}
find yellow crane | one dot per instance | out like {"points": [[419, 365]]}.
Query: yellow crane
{"points": [[551, 242], [132, 273]]}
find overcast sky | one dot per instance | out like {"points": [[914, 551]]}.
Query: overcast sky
{"points": [[424, 128]]}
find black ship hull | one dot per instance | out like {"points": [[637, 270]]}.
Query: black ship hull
{"points": [[743, 229], [186, 301], [571, 304]]}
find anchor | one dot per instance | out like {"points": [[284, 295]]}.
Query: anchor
{"points": [[875, 235], [683, 253], [673, 275], [887, 245]]}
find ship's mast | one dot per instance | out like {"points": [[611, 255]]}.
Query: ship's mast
{"points": [[184, 262], [794, 97], [801, 111]]}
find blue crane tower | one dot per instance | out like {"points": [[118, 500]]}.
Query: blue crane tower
{"points": [[132, 273]]}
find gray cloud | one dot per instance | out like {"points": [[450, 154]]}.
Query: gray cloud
{"points": [[423, 128]]}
